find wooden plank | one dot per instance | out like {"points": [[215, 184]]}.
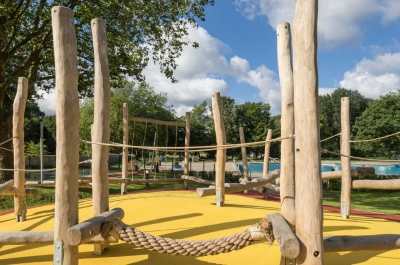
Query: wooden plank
{"points": [[244, 155], [67, 121], [187, 144], [386, 184], [345, 193], [287, 122], [88, 229], [287, 241], [307, 144], [168, 123], [221, 153], [124, 188], [362, 243], [19, 148]]}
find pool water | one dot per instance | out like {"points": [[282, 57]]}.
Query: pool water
{"points": [[393, 169]]}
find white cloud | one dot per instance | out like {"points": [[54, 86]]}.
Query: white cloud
{"points": [[48, 103], [338, 21], [375, 77]]}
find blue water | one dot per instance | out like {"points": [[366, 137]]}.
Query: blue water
{"points": [[382, 169]]}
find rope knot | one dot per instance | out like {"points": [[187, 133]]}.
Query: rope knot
{"points": [[262, 230]]}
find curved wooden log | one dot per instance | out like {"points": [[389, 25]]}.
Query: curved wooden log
{"points": [[6, 186], [388, 184], [83, 232], [361, 243], [273, 187], [198, 180], [289, 244]]}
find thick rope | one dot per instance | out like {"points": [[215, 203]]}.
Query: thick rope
{"points": [[356, 157], [375, 139], [326, 139], [44, 170], [9, 150], [191, 247], [7, 141]]}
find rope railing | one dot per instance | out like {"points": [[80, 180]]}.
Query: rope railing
{"points": [[375, 139], [44, 170], [6, 149], [7, 141], [192, 149], [326, 139], [357, 157]]}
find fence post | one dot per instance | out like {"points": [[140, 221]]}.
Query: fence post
{"points": [[125, 121], [346, 166]]}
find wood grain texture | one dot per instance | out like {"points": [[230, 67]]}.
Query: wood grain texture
{"points": [[361, 243], [125, 121], [244, 155], [267, 151], [187, 144], [345, 194]]}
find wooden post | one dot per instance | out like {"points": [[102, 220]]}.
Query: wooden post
{"points": [[41, 152], [67, 121], [309, 216], [221, 153], [187, 144], [19, 148], [101, 123], [244, 156], [287, 186], [345, 195], [267, 152], [125, 121]]}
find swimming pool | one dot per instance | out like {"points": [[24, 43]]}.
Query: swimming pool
{"points": [[393, 169]]}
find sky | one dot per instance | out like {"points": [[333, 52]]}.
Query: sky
{"points": [[358, 49]]}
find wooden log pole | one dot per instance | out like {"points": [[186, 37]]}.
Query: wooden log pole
{"points": [[6, 186], [244, 155], [19, 148], [125, 121], [12, 191], [328, 175], [362, 243], [308, 190], [387, 184], [221, 153], [288, 243], [88, 229], [67, 122], [159, 122], [267, 151], [345, 194], [198, 180], [187, 144], [287, 122], [101, 122], [273, 187]]}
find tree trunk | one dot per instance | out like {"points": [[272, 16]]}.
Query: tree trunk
{"points": [[6, 157]]}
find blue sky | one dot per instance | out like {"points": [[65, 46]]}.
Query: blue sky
{"points": [[358, 40]]}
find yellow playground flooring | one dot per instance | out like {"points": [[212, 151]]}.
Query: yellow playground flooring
{"points": [[181, 214]]}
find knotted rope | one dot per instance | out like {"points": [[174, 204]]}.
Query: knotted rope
{"points": [[191, 247]]}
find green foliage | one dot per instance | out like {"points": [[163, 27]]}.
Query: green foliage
{"points": [[33, 149], [380, 119]]}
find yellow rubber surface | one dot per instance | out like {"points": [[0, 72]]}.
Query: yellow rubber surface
{"points": [[180, 214]]}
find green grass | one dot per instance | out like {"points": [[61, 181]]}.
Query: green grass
{"points": [[371, 200]]}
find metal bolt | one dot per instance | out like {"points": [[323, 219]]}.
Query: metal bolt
{"points": [[90, 232], [316, 253]]}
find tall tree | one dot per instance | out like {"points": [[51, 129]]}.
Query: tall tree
{"points": [[137, 31], [382, 118], [201, 126]]}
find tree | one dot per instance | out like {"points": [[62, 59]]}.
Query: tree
{"points": [[136, 31], [201, 126], [380, 119]]}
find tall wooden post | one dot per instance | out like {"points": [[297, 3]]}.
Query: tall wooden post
{"points": [[244, 156], [287, 123], [187, 144], [125, 138], [41, 153], [67, 122], [345, 149], [19, 148], [309, 216], [266, 153], [221, 153], [101, 122]]}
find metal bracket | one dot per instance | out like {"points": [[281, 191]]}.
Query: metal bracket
{"points": [[218, 197], [344, 210], [58, 253], [290, 261], [22, 217]]}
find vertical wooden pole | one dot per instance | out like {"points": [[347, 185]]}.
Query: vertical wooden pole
{"points": [[19, 148], [221, 153], [125, 121], [287, 123], [345, 149], [187, 144], [41, 153], [101, 123], [244, 156], [309, 216], [266, 153], [67, 122]]}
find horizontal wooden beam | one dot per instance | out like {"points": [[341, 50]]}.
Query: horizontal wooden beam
{"points": [[198, 180], [336, 174], [387, 184], [273, 187], [28, 192], [361, 243], [168, 123], [289, 244], [83, 232], [41, 237], [6, 186]]}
